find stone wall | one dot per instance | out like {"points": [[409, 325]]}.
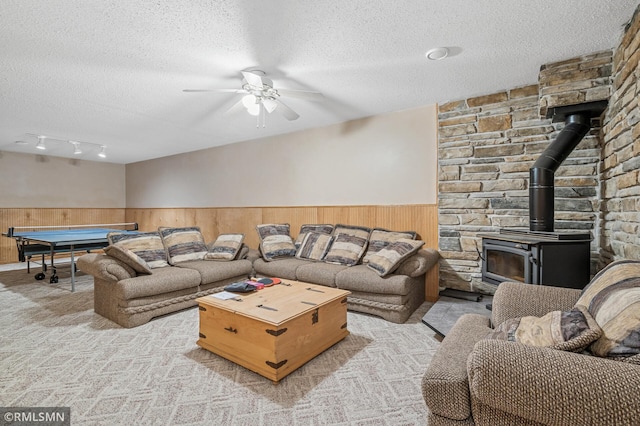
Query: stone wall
{"points": [[621, 153], [487, 145]]}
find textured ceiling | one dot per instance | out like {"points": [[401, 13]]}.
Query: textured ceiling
{"points": [[112, 71]]}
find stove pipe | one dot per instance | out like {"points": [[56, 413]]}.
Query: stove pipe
{"points": [[541, 175]]}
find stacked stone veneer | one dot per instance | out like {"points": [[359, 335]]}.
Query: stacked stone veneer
{"points": [[621, 153], [488, 144]]}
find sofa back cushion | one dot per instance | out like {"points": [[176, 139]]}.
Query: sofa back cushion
{"points": [[349, 244], [147, 245], [183, 244], [613, 300]]}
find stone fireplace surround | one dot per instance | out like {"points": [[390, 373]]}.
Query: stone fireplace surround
{"points": [[487, 145]]}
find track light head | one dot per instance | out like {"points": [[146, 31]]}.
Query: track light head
{"points": [[102, 153], [40, 144], [76, 148]]}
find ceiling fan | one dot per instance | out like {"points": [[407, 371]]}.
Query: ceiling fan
{"points": [[260, 96]]}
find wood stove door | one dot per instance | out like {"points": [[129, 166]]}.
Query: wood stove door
{"points": [[505, 261]]}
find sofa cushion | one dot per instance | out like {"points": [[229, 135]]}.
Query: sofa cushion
{"points": [[129, 258], [362, 278], [389, 258], [314, 246], [572, 330], [320, 273], [381, 238], [225, 247], [277, 246], [349, 244], [211, 272], [266, 229], [183, 244], [163, 280], [304, 229], [281, 268], [613, 300], [147, 245]]}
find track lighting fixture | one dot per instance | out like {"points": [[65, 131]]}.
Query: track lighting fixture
{"points": [[79, 147]]}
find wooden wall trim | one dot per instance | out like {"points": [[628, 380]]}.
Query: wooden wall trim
{"points": [[422, 218]]}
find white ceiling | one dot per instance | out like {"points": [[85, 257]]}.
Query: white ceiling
{"points": [[112, 71]]}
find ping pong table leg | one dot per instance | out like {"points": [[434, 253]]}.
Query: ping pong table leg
{"points": [[73, 272]]}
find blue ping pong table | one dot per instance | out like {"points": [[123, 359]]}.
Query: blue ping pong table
{"points": [[67, 240]]}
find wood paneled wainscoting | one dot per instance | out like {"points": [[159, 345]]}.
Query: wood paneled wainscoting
{"points": [[50, 217], [422, 218]]}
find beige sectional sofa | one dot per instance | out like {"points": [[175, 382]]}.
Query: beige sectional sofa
{"points": [[347, 261], [130, 293], [145, 275]]}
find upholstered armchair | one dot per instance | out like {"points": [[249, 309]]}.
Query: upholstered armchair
{"points": [[475, 380]]}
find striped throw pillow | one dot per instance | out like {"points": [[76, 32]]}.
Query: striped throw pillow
{"points": [[314, 246], [225, 247], [571, 331], [349, 244], [381, 238], [147, 245], [613, 300], [389, 258], [183, 244], [276, 246], [305, 229], [267, 229]]}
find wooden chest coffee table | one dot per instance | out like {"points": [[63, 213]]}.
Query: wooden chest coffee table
{"points": [[275, 330]]}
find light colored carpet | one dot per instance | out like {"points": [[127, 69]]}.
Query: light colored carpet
{"points": [[55, 351]]}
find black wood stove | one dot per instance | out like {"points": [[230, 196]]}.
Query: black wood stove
{"points": [[540, 255]]}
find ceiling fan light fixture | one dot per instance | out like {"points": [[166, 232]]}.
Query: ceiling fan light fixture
{"points": [[254, 110], [437, 54], [40, 144], [249, 101]]}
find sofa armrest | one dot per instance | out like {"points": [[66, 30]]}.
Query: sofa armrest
{"points": [[548, 386], [419, 263], [513, 300], [105, 267]]}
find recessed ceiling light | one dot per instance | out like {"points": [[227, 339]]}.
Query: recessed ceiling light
{"points": [[437, 53]]}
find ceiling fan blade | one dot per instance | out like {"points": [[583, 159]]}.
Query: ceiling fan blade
{"points": [[216, 90], [288, 113], [253, 79], [270, 105], [238, 106], [302, 94]]}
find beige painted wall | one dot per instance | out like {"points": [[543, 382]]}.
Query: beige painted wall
{"points": [[31, 180], [382, 160]]}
